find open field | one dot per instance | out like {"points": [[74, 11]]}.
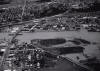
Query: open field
{"points": [[61, 65], [91, 36], [91, 50]]}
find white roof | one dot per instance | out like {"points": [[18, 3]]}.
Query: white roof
{"points": [[3, 50]]}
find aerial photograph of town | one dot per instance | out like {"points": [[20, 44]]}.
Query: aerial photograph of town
{"points": [[49, 35]]}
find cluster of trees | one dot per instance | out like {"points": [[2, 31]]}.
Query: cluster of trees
{"points": [[43, 10]]}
